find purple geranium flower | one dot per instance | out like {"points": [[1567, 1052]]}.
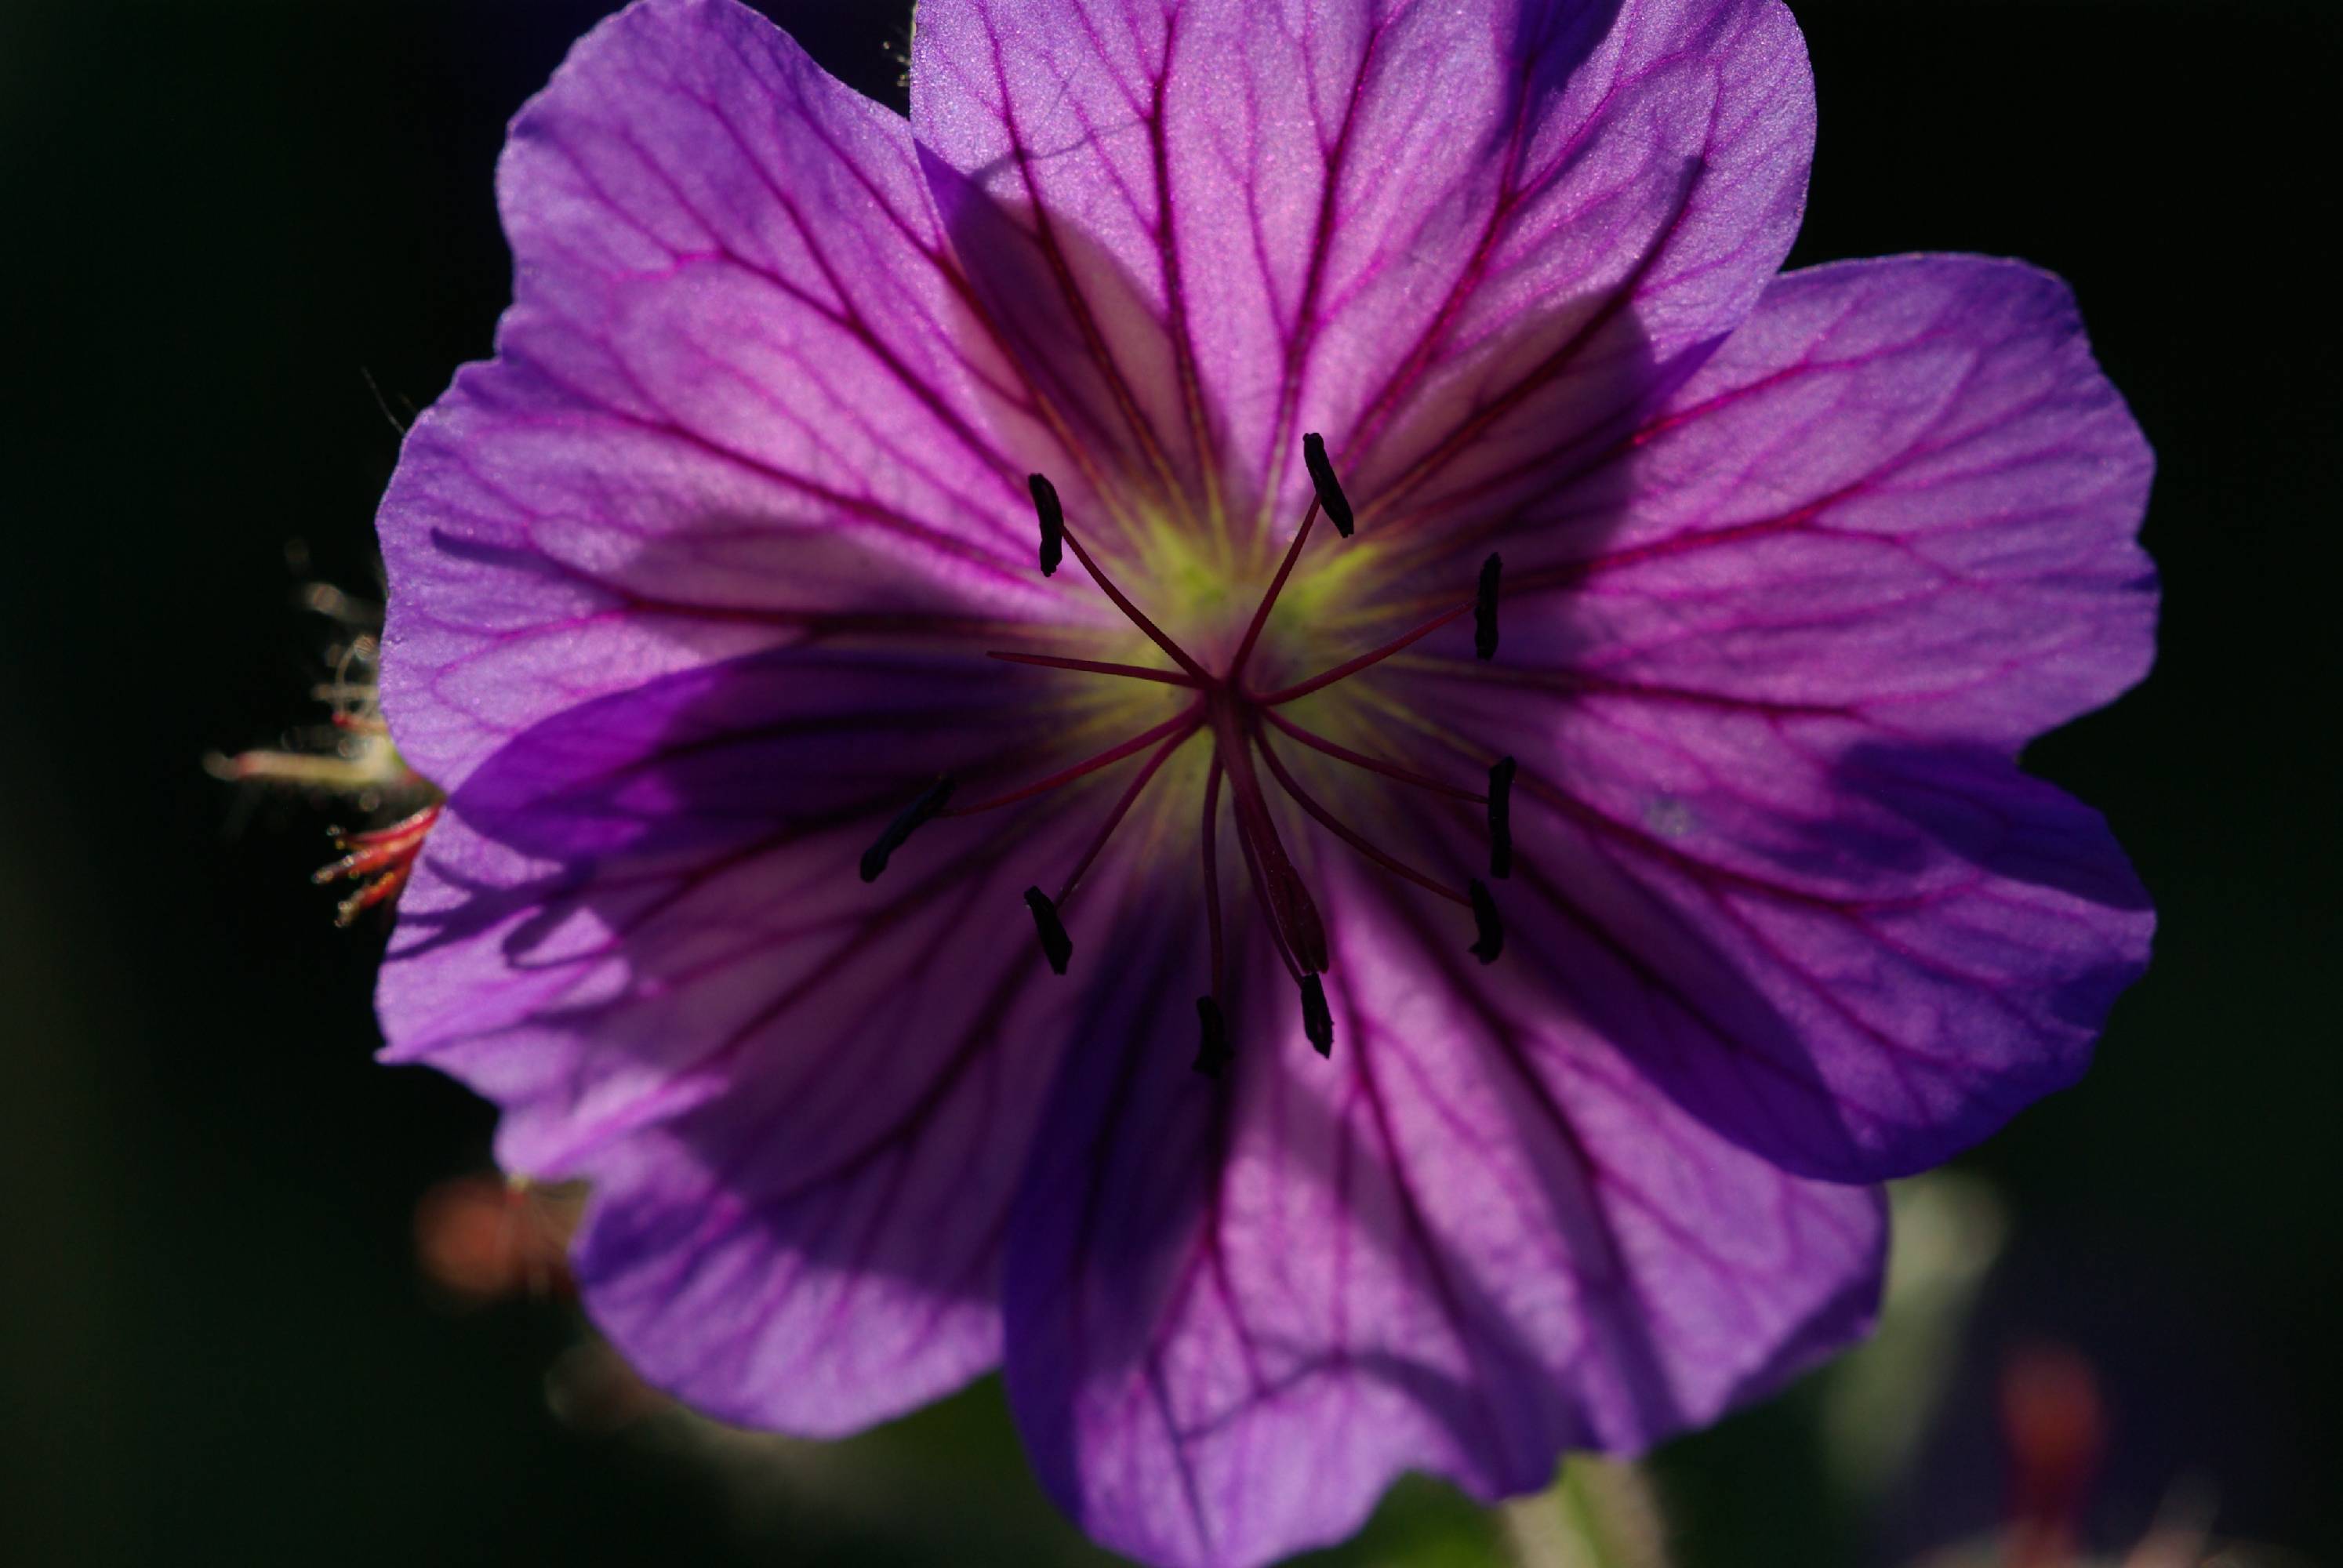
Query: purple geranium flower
{"points": [[922, 949]]}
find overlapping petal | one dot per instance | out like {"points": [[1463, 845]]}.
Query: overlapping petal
{"points": [[804, 1100], [1777, 845], [1473, 1238], [1444, 234], [733, 405], [1903, 490]]}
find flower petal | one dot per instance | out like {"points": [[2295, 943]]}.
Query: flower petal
{"points": [[803, 1099], [731, 405], [1444, 234], [1903, 491], [1472, 1239], [1855, 958], [1775, 843]]}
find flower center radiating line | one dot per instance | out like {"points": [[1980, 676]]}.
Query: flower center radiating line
{"points": [[1237, 718]]}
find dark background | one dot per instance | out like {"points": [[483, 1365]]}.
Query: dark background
{"points": [[219, 219]]}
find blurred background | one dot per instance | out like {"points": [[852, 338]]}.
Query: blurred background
{"points": [[245, 1321]]}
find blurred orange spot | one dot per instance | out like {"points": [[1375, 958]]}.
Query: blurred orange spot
{"points": [[2055, 1423], [483, 1239]]}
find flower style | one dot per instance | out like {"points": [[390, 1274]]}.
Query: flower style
{"points": [[923, 774]]}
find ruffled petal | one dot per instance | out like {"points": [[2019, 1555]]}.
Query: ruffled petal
{"points": [[1473, 1238], [732, 405], [1903, 491], [803, 1099], [1774, 842], [1446, 236]]}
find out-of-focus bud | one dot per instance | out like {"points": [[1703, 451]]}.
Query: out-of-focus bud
{"points": [[483, 1239], [589, 1387], [2055, 1423]]}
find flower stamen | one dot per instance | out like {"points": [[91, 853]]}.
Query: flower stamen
{"points": [[1317, 742], [1211, 836], [1056, 946], [1317, 1018], [1213, 875], [1122, 808], [1054, 531], [1482, 610], [1260, 896], [1485, 608], [1322, 480], [1335, 825], [1236, 717], [1190, 719], [1329, 500], [1373, 657], [380, 861], [1500, 818], [1093, 666], [1489, 939], [907, 821], [1291, 909], [1052, 515], [1269, 596], [1213, 1051]]}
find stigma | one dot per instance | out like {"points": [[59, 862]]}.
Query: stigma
{"points": [[1245, 727]]}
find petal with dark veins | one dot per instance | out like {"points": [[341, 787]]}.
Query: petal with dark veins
{"points": [[1903, 490], [1775, 843], [803, 1101], [734, 401], [1444, 234], [1474, 1238], [1854, 957]]}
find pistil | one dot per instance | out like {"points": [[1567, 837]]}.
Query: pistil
{"points": [[1212, 840], [1290, 905], [1237, 719]]}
